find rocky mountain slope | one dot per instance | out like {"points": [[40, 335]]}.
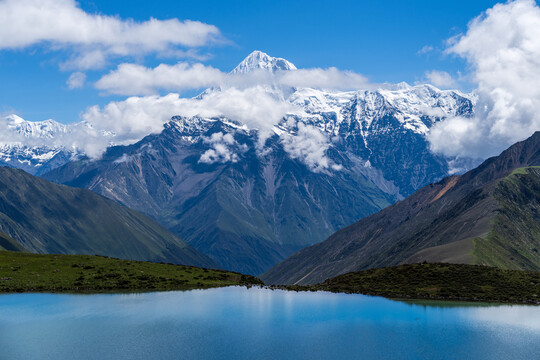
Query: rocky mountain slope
{"points": [[490, 216], [43, 217], [248, 203]]}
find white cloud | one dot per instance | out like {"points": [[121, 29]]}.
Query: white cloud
{"points": [[309, 145], [223, 149], [255, 107], [440, 79], [123, 159], [502, 47], [259, 107], [426, 49], [133, 118], [86, 60], [330, 78], [131, 79], [93, 38], [76, 80]]}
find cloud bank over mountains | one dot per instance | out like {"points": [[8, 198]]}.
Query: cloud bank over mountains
{"points": [[133, 79], [132, 119]]}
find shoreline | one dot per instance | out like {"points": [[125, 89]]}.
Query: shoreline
{"points": [[450, 302]]}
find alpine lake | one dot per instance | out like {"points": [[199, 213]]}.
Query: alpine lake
{"points": [[258, 323]]}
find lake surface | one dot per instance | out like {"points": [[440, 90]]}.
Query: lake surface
{"points": [[237, 323]]}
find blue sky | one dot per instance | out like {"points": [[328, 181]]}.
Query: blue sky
{"points": [[378, 39]]}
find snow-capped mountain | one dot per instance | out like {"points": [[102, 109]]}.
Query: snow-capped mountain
{"points": [[258, 60], [35, 129], [353, 117], [417, 108], [367, 125], [34, 146]]}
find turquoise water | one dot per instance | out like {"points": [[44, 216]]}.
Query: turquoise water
{"points": [[237, 323]]}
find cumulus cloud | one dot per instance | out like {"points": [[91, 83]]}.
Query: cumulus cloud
{"points": [[132, 79], [94, 38], [223, 149], [257, 107], [440, 79], [128, 120], [76, 80], [309, 145], [254, 108], [254, 99], [502, 47]]}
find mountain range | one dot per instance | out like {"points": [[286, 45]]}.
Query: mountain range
{"points": [[248, 198], [489, 215], [34, 146]]}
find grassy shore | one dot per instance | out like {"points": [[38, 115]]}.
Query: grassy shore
{"points": [[24, 272], [448, 282]]}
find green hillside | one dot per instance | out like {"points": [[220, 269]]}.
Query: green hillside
{"points": [[48, 218], [514, 239], [24, 272]]}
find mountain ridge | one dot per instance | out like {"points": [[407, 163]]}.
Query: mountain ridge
{"points": [[43, 146]]}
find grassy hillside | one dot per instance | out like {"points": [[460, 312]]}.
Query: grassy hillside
{"points": [[24, 272], [47, 218], [514, 239], [439, 282]]}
